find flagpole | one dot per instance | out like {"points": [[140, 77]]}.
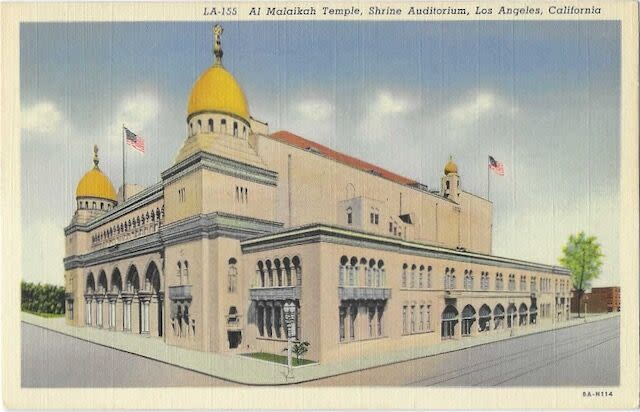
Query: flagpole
{"points": [[123, 170]]}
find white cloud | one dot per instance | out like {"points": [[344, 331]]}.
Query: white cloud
{"points": [[138, 111], [42, 117], [479, 104], [314, 109], [388, 103]]}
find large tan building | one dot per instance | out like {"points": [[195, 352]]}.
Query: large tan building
{"points": [[246, 221]]}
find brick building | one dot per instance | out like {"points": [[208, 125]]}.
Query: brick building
{"points": [[605, 299]]}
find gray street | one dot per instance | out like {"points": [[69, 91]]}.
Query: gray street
{"points": [[584, 355]]}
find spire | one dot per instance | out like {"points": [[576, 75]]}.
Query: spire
{"points": [[96, 160], [217, 47]]}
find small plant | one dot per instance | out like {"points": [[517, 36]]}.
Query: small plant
{"points": [[299, 349]]}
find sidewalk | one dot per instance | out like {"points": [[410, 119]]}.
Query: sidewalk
{"points": [[246, 370]]}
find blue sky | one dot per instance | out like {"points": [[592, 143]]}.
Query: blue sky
{"points": [[542, 97]]}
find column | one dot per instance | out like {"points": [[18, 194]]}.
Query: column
{"points": [[135, 314], [153, 316], [144, 298], [87, 311], [99, 311], [127, 298]]}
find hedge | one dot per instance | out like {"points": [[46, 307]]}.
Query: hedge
{"points": [[42, 298]]}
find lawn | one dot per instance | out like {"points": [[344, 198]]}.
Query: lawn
{"points": [[45, 315], [270, 357]]}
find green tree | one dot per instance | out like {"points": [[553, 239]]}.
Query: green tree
{"points": [[583, 257], [299, 349]]}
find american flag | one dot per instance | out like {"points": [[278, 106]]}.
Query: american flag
{"points": [[496, 166], [133, 140]]}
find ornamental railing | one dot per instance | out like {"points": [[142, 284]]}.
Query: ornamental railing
{"points": [[363, 293]]}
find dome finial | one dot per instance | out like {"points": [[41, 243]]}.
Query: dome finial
{"points": [[96, 160], [217, 46]]}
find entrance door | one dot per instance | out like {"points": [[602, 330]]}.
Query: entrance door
{"points": [[235, 338]]}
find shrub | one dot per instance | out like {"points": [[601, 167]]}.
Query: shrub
{"points": [[41, 298]]}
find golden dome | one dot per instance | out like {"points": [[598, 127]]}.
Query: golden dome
{"points": [[216, 90], [450, 167], [95, 184]]}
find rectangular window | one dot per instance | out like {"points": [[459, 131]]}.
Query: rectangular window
{"points": [[371, 217], [421, 317], [413, 319], [380, 310], [404, 319], [428, 325], [269, 320], [376, 218], [372, 317], [352, 322], [343, 316]]}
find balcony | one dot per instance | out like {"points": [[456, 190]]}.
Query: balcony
{"points": [[363, 293], [275, 293], [181, 292]]}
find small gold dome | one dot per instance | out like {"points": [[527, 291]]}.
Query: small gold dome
{"points": [[216, 90], [95, 184], [450, 167]]}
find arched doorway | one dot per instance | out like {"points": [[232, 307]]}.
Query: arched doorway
{"points": [[90, 287], [498, 316], [484, 319], [468, 317], [511, 315], [522, 311], [154, 310], [449, 320], [131, 301], [100, 297], [234, 334], [533, 313]]}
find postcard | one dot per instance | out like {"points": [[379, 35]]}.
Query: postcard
{"points": [[320, 205]]}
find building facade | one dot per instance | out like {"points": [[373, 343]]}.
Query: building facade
{"points": [[246, 221], [599, 300]]}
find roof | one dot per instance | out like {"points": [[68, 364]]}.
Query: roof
{"points": [[305, 144]]}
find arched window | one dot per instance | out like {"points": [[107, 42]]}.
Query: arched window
{"points": [[404, 275], [468, 318], [412, 280], [210, 125], [191, 129], [185, 272], [349, 216], [298, 269], [468, 280], [233, 276], [287, 270], [199, 125], [223, 125], [448, 184], [269, 273], [235, 129], [179, 273], [278, 268], [342, 271]]}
